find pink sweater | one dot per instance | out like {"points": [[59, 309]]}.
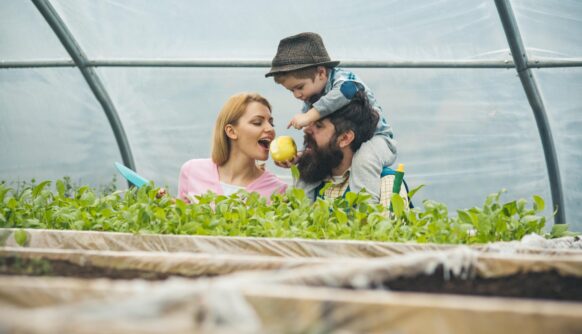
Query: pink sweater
{"points": [[198, 176]]}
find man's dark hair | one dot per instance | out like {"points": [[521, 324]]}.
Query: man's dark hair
{"points": [[358, 116]]}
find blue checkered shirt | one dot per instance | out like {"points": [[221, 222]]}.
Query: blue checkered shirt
{"points": [[339, 90]]}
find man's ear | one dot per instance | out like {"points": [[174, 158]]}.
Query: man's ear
{"points": [[346, 138], [230, 131]]}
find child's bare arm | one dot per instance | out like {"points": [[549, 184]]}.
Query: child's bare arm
{"points": [[299, 121]]}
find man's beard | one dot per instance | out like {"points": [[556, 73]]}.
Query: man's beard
{"points": [[316, 164]]}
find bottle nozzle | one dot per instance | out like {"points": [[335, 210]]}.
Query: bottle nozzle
{"points": [[400, 168]]}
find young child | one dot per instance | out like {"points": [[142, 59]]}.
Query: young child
{"points": [[303, 66]]}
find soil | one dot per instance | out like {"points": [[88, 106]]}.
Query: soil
{"points": [[13, 265], [542, 285]]}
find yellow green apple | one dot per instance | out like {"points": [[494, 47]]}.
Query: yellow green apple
{"points": [[283, 148]]}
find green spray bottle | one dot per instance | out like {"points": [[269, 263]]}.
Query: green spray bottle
{"points": [[398, 177]]}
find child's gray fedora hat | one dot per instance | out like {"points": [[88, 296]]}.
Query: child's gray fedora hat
{"points": [[300, 51]]}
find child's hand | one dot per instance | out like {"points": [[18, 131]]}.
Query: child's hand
{"points": [[161, 193], [289, 163], [299, 121]]}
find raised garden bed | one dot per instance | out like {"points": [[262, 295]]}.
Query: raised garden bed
{"points": [[459, 271], [279, 247], [227, 305], [14, 265], [535, 285], [136, 265]]}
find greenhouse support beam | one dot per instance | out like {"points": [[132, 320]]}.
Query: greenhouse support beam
{"points": [[535, 100], [267, 63], [37, 63], [242, 63], [78, 56]]}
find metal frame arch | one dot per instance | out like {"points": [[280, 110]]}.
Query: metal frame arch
{"points": [[536, 102], [520, 62], [80, 60]]}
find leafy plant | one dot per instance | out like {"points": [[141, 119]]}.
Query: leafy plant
{"points": [[289, 215]]}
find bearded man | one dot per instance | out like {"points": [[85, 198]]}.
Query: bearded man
{"points": [[329, 147]]}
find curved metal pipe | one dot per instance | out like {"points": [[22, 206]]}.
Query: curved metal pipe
{"points": [[90, 75], [537, 105]]}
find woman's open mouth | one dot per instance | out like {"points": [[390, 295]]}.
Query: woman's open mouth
{"points": [[265, 143]]}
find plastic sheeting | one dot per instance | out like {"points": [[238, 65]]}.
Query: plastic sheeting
{"points": [[478, 120], [462, 261], [297, 309], [25, 35], [183, 264], [113, 241], [174, 306], [211, 244], [561, 87], [51, 126], [283, 302], [550, 28], [292, 309], [251, 30]]}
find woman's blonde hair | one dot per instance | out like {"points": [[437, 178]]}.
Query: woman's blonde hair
{"points": [[231, 112]]}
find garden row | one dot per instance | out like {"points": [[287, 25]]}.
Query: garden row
{"points": [[78, 261], [226, 284], [289, 215]]}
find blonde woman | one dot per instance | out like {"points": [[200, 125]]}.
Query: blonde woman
{"points": [[242, 135]]}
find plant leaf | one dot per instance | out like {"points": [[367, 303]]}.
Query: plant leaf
{"points": [[20, 237], [341, 216], [539, 203], [294, 172], [414, 190], [39, 188], [397, 205], [464, 217], [60, 188]]}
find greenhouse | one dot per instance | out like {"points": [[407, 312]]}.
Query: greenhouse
{"points": [[483, 100]]}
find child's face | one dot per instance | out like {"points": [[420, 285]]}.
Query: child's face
{"points": [[304, 89]]}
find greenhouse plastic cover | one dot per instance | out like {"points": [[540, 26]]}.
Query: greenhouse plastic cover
{"points": [[275, 247], [178, 264], [463, 132], [283, 301], [461, 262]]}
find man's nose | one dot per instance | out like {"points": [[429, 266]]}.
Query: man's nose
{"points": [[297, 94], [308, 129]]}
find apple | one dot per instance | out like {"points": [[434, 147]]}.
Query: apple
{"points": [[283, 148]]}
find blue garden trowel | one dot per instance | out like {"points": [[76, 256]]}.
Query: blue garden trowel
{"points": [[131, 176]]}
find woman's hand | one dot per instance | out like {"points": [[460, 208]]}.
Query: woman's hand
{"points": [[161, 193]]}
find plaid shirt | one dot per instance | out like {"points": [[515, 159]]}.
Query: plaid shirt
{"points": [[340, 185]]}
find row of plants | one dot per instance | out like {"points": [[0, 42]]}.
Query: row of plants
{"points": [[289, 215]]}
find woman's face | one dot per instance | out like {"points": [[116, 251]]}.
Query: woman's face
{"points": [[254, 132]]}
